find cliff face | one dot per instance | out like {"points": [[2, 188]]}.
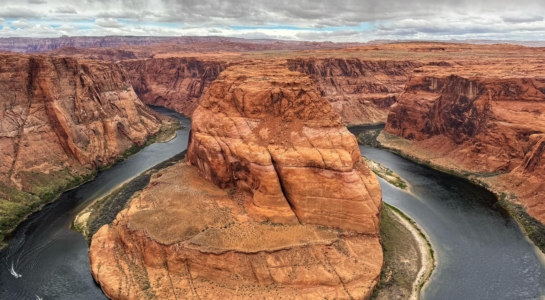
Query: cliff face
{"points": [[204, 43], [60, 119], [299, 220], [488, 125], [176, 83], [361, 91], [270, 133]]}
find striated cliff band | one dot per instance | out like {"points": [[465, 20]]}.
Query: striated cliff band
{"points": [[60, 120], [486, 122], [274, 201], [173, 82], [361, 91]]}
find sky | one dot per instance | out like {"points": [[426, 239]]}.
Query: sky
{"points": [[309, 20]]}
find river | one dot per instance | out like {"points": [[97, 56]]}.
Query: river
{"points": [[480, 250], [52, 259]]}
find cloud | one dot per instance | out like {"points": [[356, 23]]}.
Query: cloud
{"points": [[320, 20], [66, 10], [109, 23], [522, 18], [21, 23], [18, 12]]}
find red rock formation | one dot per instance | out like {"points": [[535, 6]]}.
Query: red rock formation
{"points": [[175, 82], [61, 118], [361, 91], [295, 175], [486, 123], [203, 43], [269, 132]]}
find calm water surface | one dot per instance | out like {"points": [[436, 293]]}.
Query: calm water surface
{"points": [[52, 259], [481, 251]]}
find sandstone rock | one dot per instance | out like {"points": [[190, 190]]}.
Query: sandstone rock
{"points": [[60, 119], [297, 215], [488, 123], [361, 91], [184, 238], [175, 82], [268, 131]]}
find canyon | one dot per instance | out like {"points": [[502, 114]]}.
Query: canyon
{"points": [[60, 120], [486, 122], [268, 159]]}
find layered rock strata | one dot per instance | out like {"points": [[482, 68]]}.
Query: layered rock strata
{"points": [[174, 82], [288, 208], [361, 91], [61, 119], [267, 131], [490, 125]]}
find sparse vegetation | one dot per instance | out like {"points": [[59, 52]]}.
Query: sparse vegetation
{"points": [[387, 174], [534, 229], [41, 188], [106, 209], [399, 245]]}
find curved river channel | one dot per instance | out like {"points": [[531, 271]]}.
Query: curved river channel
{"points": [[481, 252]]}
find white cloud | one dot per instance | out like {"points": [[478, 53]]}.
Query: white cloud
{"points": [[66, 10], [18, 12], [109, 23], [339, 20], [21, 23]]}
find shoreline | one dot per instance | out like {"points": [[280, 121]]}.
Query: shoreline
{"points": [[425, 248], [164, 135], [531, 227]]}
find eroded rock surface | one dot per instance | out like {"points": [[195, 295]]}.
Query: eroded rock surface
{"points": [[61, 119], [267, 131], [174, 82], [361, 91], [288, 208], [487, 122]]}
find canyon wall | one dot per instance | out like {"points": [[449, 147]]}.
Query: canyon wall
{"points": [[361, 91], [276, 202], [489, 125], [28, 45], [61, 119], [174, 82]]}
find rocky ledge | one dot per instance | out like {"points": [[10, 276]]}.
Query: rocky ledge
{"points": [[60, 120], [288, 208], [486, 124]]}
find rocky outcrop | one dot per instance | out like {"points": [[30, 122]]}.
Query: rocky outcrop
{"points": [[204, 43], [174, 82], [361, 91], [268, 131], [490, 125], [288, 208], [61, 119]]}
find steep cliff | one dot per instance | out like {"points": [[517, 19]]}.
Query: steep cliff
{"points": [[174, 82], [361, 91], [61, 119], [297, 215], [204, 43], [490, 125]]}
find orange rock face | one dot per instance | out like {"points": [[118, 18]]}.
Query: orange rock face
{"points": [[60, 118], [490, 123], [268, 131], [300, 219], [174, 82], [361, 91]]}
